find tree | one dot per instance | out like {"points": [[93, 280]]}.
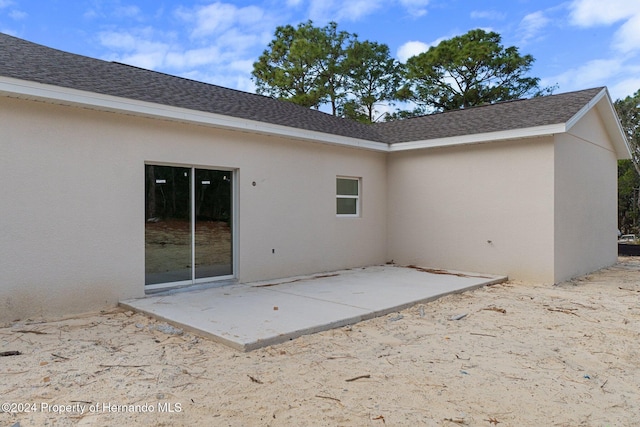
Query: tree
{"points": [[628, 110], [469, 70], [313, 66], [336, 45], [628, 197], [373, 77], [304, 65]]}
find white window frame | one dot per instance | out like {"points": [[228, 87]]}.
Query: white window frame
{"points": [[350, 196]]}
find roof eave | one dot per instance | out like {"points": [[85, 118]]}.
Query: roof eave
{"points": [[480, 138], [73, 97], [66, 96]]}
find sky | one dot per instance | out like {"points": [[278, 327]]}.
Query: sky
{"points": [[577, 44]]}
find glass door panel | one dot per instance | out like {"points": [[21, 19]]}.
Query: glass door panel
{"points": [[188, 227], [213, 214], [168, 242]]}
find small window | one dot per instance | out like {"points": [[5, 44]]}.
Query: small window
{"points": [[348, 196]]}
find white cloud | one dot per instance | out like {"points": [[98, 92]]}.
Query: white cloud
{"points": [[192, 58], [627, 38], [415, 47], [356, 9], [113, 10], [619, 72], [17, 15], [322, 10], [532, 25], [137, 47], [588, 13], [135, 40], [411, 48], [493, 15], [148, 60], [141, 48], [218, 17], [240, 81], [416, 8], [223, 37], [340, 11], [237, 40], [598, 72], [624, 88], [90, 14], [14, 14], [217, 41], [127, 11]]}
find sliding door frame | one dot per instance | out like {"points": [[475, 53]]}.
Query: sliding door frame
{"points": [[234, 228]]}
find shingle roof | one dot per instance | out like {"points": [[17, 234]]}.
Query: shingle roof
{"points": [[29, 61], [24, 60], [503, 116]]}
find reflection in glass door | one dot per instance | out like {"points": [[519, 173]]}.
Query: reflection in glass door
{"points": [[212, 240], [168, 226], [188, 229]]}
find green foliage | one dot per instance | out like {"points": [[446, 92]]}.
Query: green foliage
{"points": [[402, 114], [628, 110], [312, 66], [373, 76], [628, 194], [303, 65], [469, 70], [337, 44]]}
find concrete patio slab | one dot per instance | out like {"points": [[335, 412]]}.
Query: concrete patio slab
{"points": [[253, 315]]}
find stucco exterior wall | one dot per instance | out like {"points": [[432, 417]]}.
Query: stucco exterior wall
{"points": [[483, 208], [72, 235], [73, 199], [585, 199]]}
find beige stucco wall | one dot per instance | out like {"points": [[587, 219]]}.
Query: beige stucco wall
{"points": [[585, 199], [72, 210], [446, 204], [72, 235]]}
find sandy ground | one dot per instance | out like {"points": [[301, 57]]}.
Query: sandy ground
{"points": [[524, 355]]}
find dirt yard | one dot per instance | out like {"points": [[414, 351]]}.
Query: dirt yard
{"points": [[523, 355]]}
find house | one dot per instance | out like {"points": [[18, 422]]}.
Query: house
{"points": [[119, 181]]}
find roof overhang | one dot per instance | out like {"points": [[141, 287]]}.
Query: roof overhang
{"points": [[24, 89], [607, 112], [480, 138], [72, 97], [602, 103]]}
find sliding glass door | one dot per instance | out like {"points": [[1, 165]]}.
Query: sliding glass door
{"points": [[188, 228], [212, 238]]}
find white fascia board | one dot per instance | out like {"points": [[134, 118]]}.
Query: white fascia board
{"points": [[584, 110], [604, 105], [65, 96], [480, 138]]}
